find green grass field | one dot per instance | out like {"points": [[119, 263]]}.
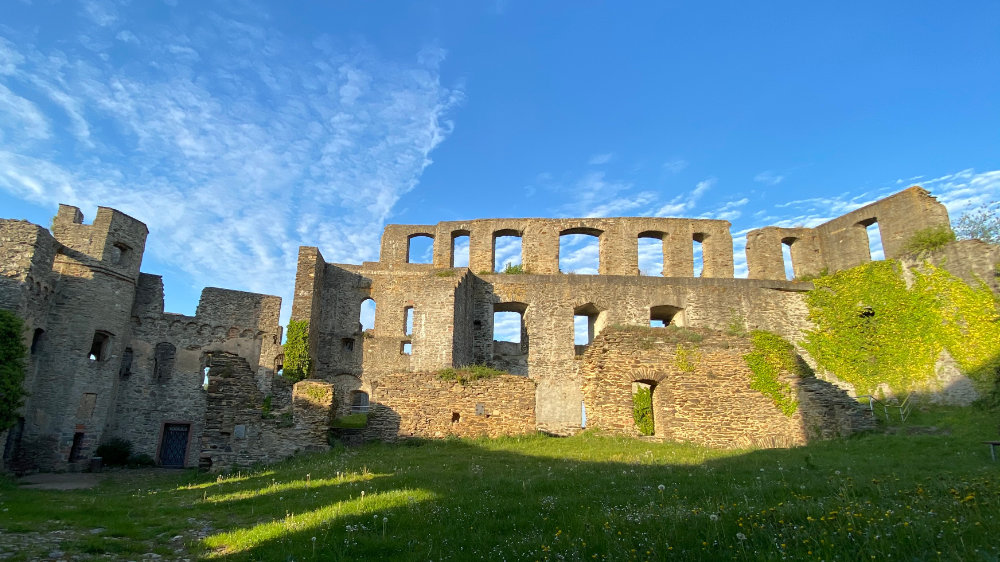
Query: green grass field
{"points": [[923, 490]]}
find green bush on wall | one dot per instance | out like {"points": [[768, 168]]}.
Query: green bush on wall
{"points": [[872, 329], [297, 365], [12, 353], [770, 355], [642, 410]]}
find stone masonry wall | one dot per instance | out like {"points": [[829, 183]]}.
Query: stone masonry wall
{"points": [[421, 405], [705, 396], [617, 238], [238, 432], [842, 243]]}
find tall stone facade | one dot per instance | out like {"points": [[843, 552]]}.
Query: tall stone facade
{"points": [[107, 362]]}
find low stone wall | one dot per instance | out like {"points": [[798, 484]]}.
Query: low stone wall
{"points": [[421, 405], [238, 432], [701, 392]]}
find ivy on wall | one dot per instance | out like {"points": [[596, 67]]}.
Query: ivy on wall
{"points": [[642, 410], [770, 355], [872, 329], [12, 353], [298, 364]]}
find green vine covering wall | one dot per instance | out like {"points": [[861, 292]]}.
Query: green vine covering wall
{"points": [[642, 410], [12, 352], [769, 356], [298, 365], [871, 328]]}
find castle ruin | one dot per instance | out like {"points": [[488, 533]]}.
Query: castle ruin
{"points": [[206, 390]]}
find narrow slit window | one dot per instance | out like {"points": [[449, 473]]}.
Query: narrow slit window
{"points": [[698, 254], [786, 258], [408, 321]]}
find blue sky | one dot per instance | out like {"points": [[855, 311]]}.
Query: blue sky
{"points": [[240, 130]]}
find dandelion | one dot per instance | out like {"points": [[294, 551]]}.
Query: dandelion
{"points": [[713, 517], [741, 536], [661, 487]]}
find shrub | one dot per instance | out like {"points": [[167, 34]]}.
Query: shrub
{"points": [[928, 239], [298, 364], [12, 353], [511, 269], [140, 461], [115, 452], [642, 410], [771, 355]]}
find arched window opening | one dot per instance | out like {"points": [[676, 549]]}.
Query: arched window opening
{"points": [[100, 346], [698, 253], [587, 323], [367, 314], [874, 235], [460, 248], [665, 315], [163, 360], [279, 365], [507, 252], [37, 341], [642, 406], [359, 402], [786, 257], [651, 253], [580, 251], [420, 248], [408, 321]]}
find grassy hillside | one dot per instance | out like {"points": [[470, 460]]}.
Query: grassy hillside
{"points": [[924, 490]]}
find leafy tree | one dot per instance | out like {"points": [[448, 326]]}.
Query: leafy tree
{"points": [[12, 353], [980, 223], [298, 364]]}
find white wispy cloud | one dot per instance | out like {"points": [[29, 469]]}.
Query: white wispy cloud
{"points": [[599, 159], [768, 177], [675, 165], [232, 164], [685, 202]]}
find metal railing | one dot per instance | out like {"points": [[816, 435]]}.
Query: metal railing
{"points": [[889, 410]]}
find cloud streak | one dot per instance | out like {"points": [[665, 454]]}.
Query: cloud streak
{"points": [[232, 164]]}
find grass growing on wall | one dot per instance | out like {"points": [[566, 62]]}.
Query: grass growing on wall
{"points": [[872, 329], [769, 357], [469, 374], [298, 364]]}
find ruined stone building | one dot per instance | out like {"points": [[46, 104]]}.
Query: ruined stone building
{"points": [[107, 362]]}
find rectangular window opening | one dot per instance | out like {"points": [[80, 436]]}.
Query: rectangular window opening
{"points": [[406, 348], [507, 256], [420, 249], [460, 250]]}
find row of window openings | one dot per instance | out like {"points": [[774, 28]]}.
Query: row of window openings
{"points": [[507, 325], [578, 253], [872, 232]]}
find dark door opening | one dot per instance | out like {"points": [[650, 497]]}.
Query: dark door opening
{"points": [[173, 447]]}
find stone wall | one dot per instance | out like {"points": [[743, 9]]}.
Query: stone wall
{"points": [[239, 433], [617, 239], [842, 243], [702, 394], [422, 405]]}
